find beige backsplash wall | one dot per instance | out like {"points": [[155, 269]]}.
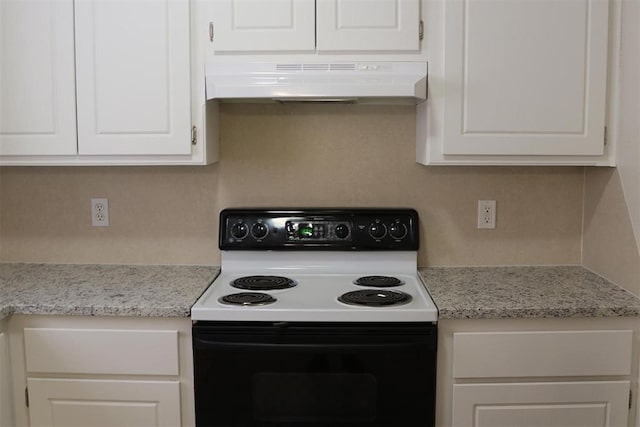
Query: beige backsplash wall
{"points": [[609, 244], [280, 155]]}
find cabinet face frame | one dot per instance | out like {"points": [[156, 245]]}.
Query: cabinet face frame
{"points": [[6, 399]]}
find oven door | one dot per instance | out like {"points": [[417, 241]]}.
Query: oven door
{"points": [[314, 374]]}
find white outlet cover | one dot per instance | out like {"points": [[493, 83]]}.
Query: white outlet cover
{"points": [[100, 212], [486, 214]]}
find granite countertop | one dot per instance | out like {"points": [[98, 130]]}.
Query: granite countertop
{"points": [[525, 292], [170, 291], [102, 290]]}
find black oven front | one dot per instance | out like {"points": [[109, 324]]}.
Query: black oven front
{"points": [[266, 374]]}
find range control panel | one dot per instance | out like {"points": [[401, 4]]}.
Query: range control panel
{"points": [[328, 229]]}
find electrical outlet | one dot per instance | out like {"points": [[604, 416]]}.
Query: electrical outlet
{"points": [[100, 212], [486, 214]]}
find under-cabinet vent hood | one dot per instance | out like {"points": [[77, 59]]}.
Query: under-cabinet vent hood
{"points": [[362, 82]]}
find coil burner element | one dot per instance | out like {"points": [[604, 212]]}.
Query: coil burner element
{"points": [[263, 283], [378, 281], [247, 299], [375, 298]]}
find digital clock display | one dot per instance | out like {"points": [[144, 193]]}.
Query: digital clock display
{"points": [[316, 231], [305, 230]]}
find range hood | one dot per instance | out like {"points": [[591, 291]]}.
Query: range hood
{"points": [[347, 82]]}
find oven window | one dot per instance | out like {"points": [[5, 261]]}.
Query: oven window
{"points": [[314, 397]]}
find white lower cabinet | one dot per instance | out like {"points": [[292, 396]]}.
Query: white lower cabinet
{"points": [[535, 372], [102, 372]]}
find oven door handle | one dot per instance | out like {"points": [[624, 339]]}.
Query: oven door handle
{"points": [[205, 344]]}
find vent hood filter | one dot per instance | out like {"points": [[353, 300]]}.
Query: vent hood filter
{"points": [[363, 82]]}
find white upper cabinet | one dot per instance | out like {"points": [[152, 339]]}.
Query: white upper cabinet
{"points": [[37, 77], [518, 82], [133, 65], [307, 26], [101, 82], [527, 76]]}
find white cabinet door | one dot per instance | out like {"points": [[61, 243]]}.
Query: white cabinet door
{"points": [[263, 25], [305, 25], [37, 78], [103, 403], [368, 25], [579, 404], [133, 77], [525, 77]]}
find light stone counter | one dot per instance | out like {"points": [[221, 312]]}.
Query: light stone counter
{"points": [[170, 291], [525, 292], [102, 290]]}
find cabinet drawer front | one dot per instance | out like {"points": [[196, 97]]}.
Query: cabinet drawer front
{"points": [[101, 351], [541, 354]]}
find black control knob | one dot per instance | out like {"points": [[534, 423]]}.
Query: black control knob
{"points": [[342, 231], [239, 230], [377, 230], [398, 230], [259, 230]]}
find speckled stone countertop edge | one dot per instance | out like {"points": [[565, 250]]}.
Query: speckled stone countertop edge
{"points": [[493, 292], [512, 292], [102, 289], [448, 313]]}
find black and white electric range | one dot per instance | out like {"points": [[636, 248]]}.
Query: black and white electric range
{"points": [[318, 318]]}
